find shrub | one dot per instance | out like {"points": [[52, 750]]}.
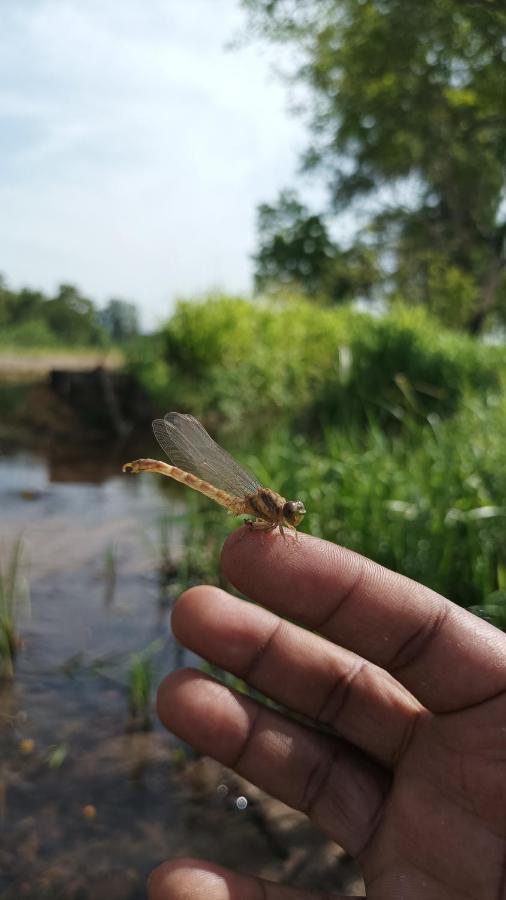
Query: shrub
{"points": [[251, 366]]}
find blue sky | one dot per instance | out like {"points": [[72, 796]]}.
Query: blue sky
{"points": [[134, 147]]}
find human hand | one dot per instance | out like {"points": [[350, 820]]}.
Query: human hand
{"points": [[411, 779]]}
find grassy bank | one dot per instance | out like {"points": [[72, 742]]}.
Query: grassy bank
{"points": [[392, 430]]}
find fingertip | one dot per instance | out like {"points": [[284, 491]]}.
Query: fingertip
{"points": [[246, 544], [196, 879], [278, 571], [235, 539], [185, 878], [195, 615], [184, 605], [172, 692], [203, 712]]}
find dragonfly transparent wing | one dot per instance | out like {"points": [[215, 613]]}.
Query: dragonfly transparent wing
{"points": [[189, 447]]}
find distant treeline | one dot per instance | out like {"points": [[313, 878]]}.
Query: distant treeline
{"points": [[32, 318]]}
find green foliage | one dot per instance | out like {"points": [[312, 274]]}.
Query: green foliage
{"points": [[295, 249], [33, 332], [411, 100], [30, 318], [71, 316], [253, 366], [431, 280], [13, 594], [140, 686], [56, 755], [428, 502], [145, 357]]}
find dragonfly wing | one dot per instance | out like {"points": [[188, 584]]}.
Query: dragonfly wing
{"points": [[189, 447]]}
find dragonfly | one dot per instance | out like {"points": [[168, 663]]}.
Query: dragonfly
{"points": [[199, 462]]}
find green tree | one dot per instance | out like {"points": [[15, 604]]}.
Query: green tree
{"points": [[29, 317], [295, 248], [72, 317], [6, 301], [24, 305], [408, 101], [120, 320]]}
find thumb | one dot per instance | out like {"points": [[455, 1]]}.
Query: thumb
{"points": [[193, 879]]}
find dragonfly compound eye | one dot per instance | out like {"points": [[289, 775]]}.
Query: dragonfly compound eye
{"points": [[293, 512]]}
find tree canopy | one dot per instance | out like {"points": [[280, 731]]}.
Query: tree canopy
{"points": [[407, 113], [295, 248]]}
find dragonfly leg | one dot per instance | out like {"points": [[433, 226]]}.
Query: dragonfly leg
{"points": [[261, 525], [291, 527], [267, 527]]}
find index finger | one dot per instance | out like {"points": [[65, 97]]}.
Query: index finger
{"points": [[447, 657]]}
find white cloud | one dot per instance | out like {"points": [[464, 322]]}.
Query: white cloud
{"points": [[134, 148]]}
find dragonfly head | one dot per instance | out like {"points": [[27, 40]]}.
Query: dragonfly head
{"points": [[293, 512]]}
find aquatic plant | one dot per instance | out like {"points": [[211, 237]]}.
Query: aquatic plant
{"points": [[13, 595], [56, 755], [110, 572], [139, 691]]}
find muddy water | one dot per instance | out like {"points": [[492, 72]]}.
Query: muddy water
{"points": [[89, 806]]}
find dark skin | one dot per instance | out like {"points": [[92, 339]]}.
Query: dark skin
{"points": [[412, 778]]}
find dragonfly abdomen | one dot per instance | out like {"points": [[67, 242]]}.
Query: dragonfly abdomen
{"points": [[204, 487], [198, 484]]}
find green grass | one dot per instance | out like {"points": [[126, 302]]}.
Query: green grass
{"points": [[141, 675], [140, 686], [429, 502], [13, 595]]}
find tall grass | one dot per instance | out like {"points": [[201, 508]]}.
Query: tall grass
{"points": [[430, 502], [141, 675], [13, 595], [139, 691]]}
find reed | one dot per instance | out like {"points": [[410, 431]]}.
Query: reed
{"points": [[14, 594], [139, 689], [110, 572]]}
